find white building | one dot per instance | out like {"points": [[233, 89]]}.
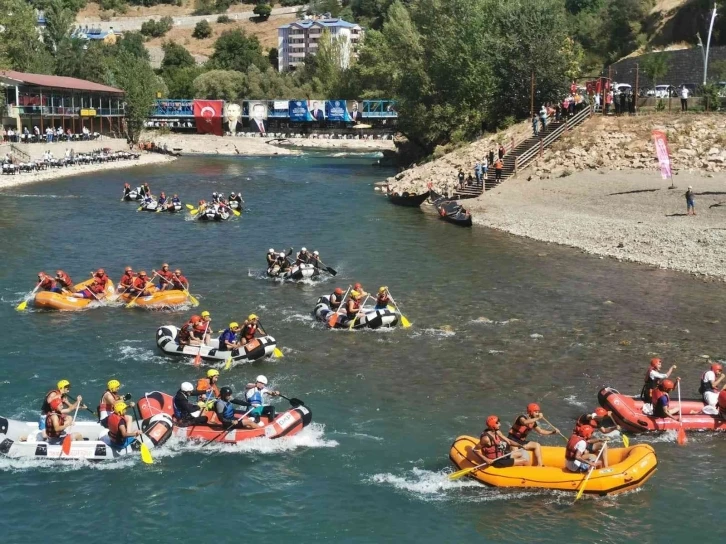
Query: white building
{"points": [[297, 40]]}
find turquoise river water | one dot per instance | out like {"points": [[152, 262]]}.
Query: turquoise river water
{"points": [[498, 322]]}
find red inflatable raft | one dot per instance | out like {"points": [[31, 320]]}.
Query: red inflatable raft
{"points": [[628, 413], [285, 424]]}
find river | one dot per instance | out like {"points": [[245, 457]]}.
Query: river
{"points": [[498, 322]]}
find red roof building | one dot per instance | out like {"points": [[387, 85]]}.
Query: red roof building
{"points": [[61, 102]]}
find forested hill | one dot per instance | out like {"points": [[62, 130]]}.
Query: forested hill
{"points": [[456, 67]]}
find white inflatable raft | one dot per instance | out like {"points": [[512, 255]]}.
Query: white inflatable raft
{"points": [[296, 273], [371, 318], [213, 213], [22, 439], [167, 338]]}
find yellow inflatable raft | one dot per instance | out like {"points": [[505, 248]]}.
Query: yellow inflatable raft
{"points": [[628, 469], [157, 299], [67, 302]]}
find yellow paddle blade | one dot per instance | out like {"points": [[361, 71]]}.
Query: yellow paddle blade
{"points": [[236, 213], [146, 454], [626, 440], [189, 206], [278, 353], [22, 306], [460, 473], [192, 299], [405, 322], [579, 493], [194, 211], [130, 304], [228, 363], [139, 208]]}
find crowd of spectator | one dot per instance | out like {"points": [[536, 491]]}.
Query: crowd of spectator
{"points": [[49, 135], [10, 166]]}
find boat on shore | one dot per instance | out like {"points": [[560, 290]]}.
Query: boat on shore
{"points": [[286, 423], [628, 413], [167, 339], [408, 200], [450, 210], [629, 468]]}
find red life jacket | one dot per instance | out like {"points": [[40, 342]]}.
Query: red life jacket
{"points": [[249, 331], [127, 279], [496, 448], [101, 279], [45, 408], [570, 450], [520, 432], [168, 275], [66, 279], [104, 406], [352, 309], [382, 300], [115, 422], [658, 409], [585, 419], [49, 430], [202, 326], [46, 283], [97, 286], [139, 284], [179, 282], [185, 332]]}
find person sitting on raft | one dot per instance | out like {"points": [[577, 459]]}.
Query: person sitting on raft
{"points": [[254, 395], [224, 408], [209, 385], [383, 299], [127, 190], [302, 257], [185, 412], [204, 328], [145, 190], [119, 423], [179, 281], [250, 327], [497, 450], [358, 287], [62, 391], [165, 277], [281, 263], [188, 335], [101, 275], [139, 285], [271, 257], [110, 397], [526, 423], [353, 308], [234, 197], [315, 259], [174, 202], [228, 339], [576, 457], [62, 282], [127, 279], [601, 420], [56, 423], [653, 377], [162, 200], [710, 381], [94, 290], [661, 401], [215, 197], [45, 282], [336, 298]]}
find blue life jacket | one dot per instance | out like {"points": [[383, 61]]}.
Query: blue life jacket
{"points": [[176, 200], [254, 398], [228, 410], [162, 200]]}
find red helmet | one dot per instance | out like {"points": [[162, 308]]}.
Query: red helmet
{"points": [[357, 287], [654, 362], [128, 269], [667, 385], [532, 407], [127, 185], [338, 290], [100, 272], [492, 422], [600, 411], [195, 319], [716, 367], [41, 274], [56, 404], [585, 431]]}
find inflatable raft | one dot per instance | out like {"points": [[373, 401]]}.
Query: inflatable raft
{"points": [[66, 302], [213, 214], [149, 207], [167, 338], [629, 469], [296, 273], [371, 319], [171, 207], [132, 195], [628, 413], [157, 299], [286, 423], [22, 439], [235, 205]]}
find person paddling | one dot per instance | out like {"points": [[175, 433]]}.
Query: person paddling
{"points": [[165, 277], [249, 329], [185, 412], [315, 260], [336, 298], [271, 257], [119, 424], [600, 420], [209, 385], [255, 395], [353, 307], [188, 334], [661, 401], [526, 423], [57, 424], [45, 282], [493, 445], [224, 409], [63, 389], [127, 279], [653, 378], [383, 299], [179, 281], [139, 285], [62, 282], [228, 339], [303, 257], [576, 457], [203, 329], [110, 397], [93, 291]]}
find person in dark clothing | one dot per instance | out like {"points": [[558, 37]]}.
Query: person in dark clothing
{"points": [[623, 103], [224, 408], [461, 179], [185, 412], [491, 157], [501, 150]]}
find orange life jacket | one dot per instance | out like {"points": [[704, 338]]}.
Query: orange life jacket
{"points": [[115, 422], [49, 429], [496, 448], [203, 384], [570, 449], [520, 432], [249, 330]]}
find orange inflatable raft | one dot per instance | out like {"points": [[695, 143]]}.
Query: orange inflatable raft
{"points": [[67, 302], [629, 468], [157, 299]]}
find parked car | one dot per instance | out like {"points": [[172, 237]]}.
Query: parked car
{"points": [[621, 87], [665, 91], [721, 88]]}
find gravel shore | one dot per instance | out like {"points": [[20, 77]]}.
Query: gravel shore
{"points": [[628, 215]]}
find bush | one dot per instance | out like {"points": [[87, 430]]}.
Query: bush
{"points": [[711, 97], [223, 19], [289, 3], [202, 30], [156, 29], [660, 105], [263, 11]]}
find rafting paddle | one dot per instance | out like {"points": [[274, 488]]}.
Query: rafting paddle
{"points": [[587, 476], [192, 299], [554, 428], [352, 323], [150, 282], [626, 440], [198, 358], [293, 401], [328, 269], [333, 319], [226, 430], [144, 449], [68, 439], [24, 304], [465, 471], [681, 433], [405, 322]]}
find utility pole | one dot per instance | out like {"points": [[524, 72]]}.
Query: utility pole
{"points": [[635, 94], [531, 96], [708, 44]]}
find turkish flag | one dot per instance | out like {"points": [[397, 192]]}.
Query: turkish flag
{"points": [[208, 116]]}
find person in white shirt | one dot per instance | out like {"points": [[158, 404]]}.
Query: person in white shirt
{"points": [[684, 98], [653, 377], [254, 394], [710, 381], [576, 457]]}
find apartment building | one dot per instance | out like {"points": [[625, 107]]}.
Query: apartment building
{"points": [[297, 40]]}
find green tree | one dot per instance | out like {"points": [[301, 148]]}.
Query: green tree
{"points": [[156, 29], [176, 56], [234, 50], [262, 11], [23, 50], [133, 43], [220, 85], [576, 6], [655, 66], [59, 24], [273, 57], [202, 30], [623, 26], [180, 81]]}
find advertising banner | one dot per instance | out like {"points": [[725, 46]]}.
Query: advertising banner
{"points": [[208, 116], [336, 110], [660, 139], [299, 111], [258, 116], [316, 108], [355, 111]]}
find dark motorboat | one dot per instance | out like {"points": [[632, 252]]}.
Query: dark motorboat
{"points": [[406, 199], [450, 210]]}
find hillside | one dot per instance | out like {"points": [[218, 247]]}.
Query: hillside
{"points": [[93, 12]]}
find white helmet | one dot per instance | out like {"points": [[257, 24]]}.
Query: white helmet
{"points": [[281, 254], [316, 253], [214, 193], [187, 387], [303, 249], [231, 194], [271, 250], [221, 195], [261, 379]]}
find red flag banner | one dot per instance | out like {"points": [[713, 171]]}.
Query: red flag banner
{"points": [[208, 116], [660, 139]]}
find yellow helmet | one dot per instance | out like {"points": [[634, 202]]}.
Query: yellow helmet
{"points": [[354, 294], [120, 407], [205, 313], [234, 325], [251, 317], [212, 372], [63, 383], [382, 289], [113, 385]]}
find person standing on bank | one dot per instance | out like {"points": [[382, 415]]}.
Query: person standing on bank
{"points": [[498, 170], [684, 98], [690, 204]]}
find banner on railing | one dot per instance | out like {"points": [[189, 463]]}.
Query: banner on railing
{"points": [[660, 139], [208, 116], [336, 110]]}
